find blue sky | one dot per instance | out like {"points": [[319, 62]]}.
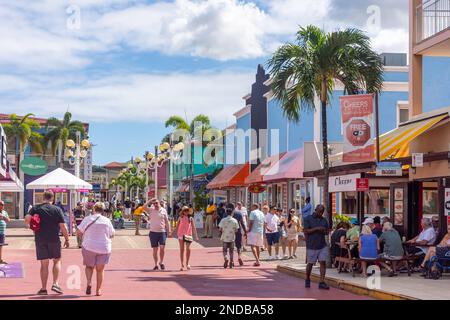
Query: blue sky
{"points": [[125, 66]]}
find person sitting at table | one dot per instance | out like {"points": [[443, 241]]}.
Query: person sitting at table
{"points": [[353, 236], [338, 240], [441, 250], [393, 247], [420, 244], [368, 245]]}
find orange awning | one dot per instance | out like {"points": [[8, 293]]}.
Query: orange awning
{"points": [[230, 177], [257, 176]]}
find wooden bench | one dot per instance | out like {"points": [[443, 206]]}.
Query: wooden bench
{"points": [[409, 259]]}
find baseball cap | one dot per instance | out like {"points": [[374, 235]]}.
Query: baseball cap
{"points": [[368, 221]]}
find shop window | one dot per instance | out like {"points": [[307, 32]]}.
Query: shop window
{"points": [[403, 114], [377, 202], [349, 204]]}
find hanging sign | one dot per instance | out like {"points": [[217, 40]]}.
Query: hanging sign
{"points": [[33, 166], [417, 160], [345, 183], [357, 123], [389, 169], [256, 188], [362, 185]]}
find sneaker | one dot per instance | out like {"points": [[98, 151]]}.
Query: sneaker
{"points": [[231, 265], [307, 283], [323, 286], [225, 265], [285, 257], [241, 263]]}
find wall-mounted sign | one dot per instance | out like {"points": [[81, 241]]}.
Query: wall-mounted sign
{"points": [[447, 202], [417, 160], [345, 183], [33, 166], [357, 123], [362, 185], [389, 169], [256, 188]]}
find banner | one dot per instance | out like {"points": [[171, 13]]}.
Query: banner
{"points": [[357, 123]]}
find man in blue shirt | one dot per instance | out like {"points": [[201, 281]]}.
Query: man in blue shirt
{"points": [[307, 209]]}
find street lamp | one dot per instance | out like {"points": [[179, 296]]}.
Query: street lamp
{"points": [[77, 151], [169, 152]]}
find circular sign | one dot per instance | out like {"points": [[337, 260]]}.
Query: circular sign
{"points": [[358, 133], [256, 188], [33, 166]]}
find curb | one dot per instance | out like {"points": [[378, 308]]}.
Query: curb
{"points": [[347, 286]]}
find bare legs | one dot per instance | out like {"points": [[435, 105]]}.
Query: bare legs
{"points": [[44, 271], [431, 253], [255, 250], [292, 247], [323, 269], [100, 270], [185, 247]]}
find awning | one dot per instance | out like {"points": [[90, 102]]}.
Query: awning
{"points": [[230, 177], [257, 176], [290, 167], [184, 187], [11, 182], [395, 144]]}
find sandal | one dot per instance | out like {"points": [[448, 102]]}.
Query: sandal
{"points": [[256, 264], [88, 290], [188, 267], [56, 288], [42, 292], [162, 266], [155, 268]]}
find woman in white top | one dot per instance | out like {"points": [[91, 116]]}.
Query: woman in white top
{"points": [[97, 232]]}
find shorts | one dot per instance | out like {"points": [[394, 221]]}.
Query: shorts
{"points": [[312, 256], [2, 239], [46, 251], [238, 240], [255, 239], [93, 259], [157, 239], [273, 238]]}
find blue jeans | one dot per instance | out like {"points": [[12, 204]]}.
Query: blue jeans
{"points": [[118, 223]]}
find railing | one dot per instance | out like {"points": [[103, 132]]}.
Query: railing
{"points": [[432, 17]]}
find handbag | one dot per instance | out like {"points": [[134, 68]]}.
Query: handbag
{"points": [[188, 238]]}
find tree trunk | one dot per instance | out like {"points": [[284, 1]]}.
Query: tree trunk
{"points": [[60, 147]]}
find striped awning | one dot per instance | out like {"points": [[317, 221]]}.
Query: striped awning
{"points": [[395, 144]]}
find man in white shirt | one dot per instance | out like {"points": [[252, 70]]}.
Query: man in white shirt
{"points": [[243, 210], [426, 237], [272, 235], [159, 229]]}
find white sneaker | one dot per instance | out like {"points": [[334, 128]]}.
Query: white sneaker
{"points": [[278, 257], [285, 257], [271, 258]]}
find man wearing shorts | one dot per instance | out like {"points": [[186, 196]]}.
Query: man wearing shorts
{"points": [[316, 229], [272, 235], [241, 233], [48, 244], [4, 218], [255, 232], [159, 229]]}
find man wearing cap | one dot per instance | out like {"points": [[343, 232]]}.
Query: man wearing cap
{"points": [[4, 218], [371, 223], [316, 229]]}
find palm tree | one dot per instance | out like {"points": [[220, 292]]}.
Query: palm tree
{"points": [[21, 133], [310, 67], [178, 123], [59, 131]]}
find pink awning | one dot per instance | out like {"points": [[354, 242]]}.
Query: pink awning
{"points": [[289, 167]]}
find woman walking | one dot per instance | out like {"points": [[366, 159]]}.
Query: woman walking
{"points": [[186, 228], [96, 232], [293, 229]]}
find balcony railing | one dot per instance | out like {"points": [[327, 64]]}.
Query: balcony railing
{"points": [[432, 17]]}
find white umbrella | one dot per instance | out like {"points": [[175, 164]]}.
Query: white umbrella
{"points": [[59, 179]]}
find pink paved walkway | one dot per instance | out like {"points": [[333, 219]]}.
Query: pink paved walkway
{"points": [[129, 277]]}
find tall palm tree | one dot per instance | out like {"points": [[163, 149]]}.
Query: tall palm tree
{"points": [[178, 123], [310, 67], [21, 134], [59, 131]]}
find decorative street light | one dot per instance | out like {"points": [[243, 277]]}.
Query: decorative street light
{"points": [[77, 151], [169, 152]]}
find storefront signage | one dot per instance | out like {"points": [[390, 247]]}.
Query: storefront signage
{"points": [[417, 160], [256, 188], [362, 185], [447, 202], [33, 166], [357, 122], [389, 169], [343, 183]]}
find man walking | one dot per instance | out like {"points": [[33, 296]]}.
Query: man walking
{"points": [[307, 209], [243, 211], [159, 229], [46, 236], [316, 229], [241, 233], [273, 236], [4, 218], [127, 203], [137, 214], [228, 228], [210, 211], [255, 232]]}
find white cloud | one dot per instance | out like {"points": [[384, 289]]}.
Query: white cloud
{"points": [[137, 97]]}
